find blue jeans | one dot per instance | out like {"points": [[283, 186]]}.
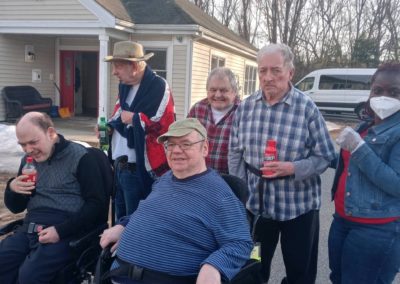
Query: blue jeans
{"points": [[360, 253], [129, 191]]}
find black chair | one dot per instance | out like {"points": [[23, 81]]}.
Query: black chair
{"points": [[85, 248], [250, 272], [19, 100]]}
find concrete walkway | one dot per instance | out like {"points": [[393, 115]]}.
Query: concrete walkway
{"points": [[78, 128]]}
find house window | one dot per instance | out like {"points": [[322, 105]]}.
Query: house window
{"points": [[250, 79], [159, 61], [217, 61]]}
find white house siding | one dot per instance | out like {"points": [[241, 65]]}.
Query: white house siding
{"points": [[200, 69], [179, 79], [15, 71], [31, 10]]}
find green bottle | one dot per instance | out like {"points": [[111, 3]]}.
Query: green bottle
{"points": [[103, 134]]}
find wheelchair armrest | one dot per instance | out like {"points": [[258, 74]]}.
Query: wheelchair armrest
{"points": [[83, 240], [103, 265], [8, 228], [250, 273]]}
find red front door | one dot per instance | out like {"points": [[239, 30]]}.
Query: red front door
{"points": [[67, 79]]}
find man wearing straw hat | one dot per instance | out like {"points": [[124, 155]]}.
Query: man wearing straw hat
{"points": [[143, 111]]}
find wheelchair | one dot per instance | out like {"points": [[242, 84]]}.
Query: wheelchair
{"points": [[85, 248], [250, 273]]}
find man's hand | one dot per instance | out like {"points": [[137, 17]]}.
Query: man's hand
{"points": [[19, 185], [279, 169], [48, 235], [349, 139], [110, 236], [126, 117], [208, 274]]}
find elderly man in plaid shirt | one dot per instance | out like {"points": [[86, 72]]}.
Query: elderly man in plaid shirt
{"points": [[216, 114], [288, 199]]}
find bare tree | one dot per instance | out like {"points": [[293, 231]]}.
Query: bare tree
{"points": [[208, 6], [227, 11], [283, 19], [321, 33]]}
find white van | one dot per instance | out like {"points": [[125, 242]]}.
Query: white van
{"points": [[338, 90]]}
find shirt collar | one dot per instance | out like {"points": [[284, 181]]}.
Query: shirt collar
{"points": [[287, 98], [387, 123]]}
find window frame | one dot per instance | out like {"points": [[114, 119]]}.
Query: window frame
{"points": [[169, 58], [250, 80]]}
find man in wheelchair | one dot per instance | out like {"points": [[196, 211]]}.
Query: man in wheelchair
{"points": [[67, 200], [190, 228]]}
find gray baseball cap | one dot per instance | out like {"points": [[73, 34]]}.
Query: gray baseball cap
{"points": [[183, 127]]}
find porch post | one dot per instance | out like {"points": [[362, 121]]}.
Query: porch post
{"points": [[103, 76]]}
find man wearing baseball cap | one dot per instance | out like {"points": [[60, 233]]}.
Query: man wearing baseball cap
{"points": [[190, 228], [143, 111]]}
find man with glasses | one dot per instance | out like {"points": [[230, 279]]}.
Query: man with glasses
{"points": [[216, 114], [190, 228]]}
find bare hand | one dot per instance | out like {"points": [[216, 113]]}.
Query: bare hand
{"points": [[208, 274], [280, 169], [111, 235], [48, 235], [19, 185], [126, 117]]}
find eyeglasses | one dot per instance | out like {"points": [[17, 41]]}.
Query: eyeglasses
{"points": [[184, 146]]}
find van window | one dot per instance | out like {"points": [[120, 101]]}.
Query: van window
{"points": [[345, 82], [306, 84]]}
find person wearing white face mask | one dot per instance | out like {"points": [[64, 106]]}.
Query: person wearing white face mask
{"points": [[364, 238]]}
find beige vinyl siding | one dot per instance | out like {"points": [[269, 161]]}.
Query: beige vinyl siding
{"points": [[200, 70], [31, 10], [15, 71], [179, 79], [112, 98]]}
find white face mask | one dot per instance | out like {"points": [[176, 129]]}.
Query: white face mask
{"points": [[384, 106]]}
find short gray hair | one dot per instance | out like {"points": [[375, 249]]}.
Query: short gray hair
{"points": [[286, 52], [221, 73]]}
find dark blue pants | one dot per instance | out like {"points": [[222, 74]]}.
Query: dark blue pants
{"points": [[129, 191], [299, 243], [361, 253], [24, 259]]}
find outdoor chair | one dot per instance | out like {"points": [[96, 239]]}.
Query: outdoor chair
{"points": [[19, 100]]}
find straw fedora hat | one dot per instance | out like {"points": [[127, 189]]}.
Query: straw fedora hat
{"points": [[128, 51]]}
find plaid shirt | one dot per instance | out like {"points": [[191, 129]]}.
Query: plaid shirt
{"points": [[218, 134], [302, 137]]}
